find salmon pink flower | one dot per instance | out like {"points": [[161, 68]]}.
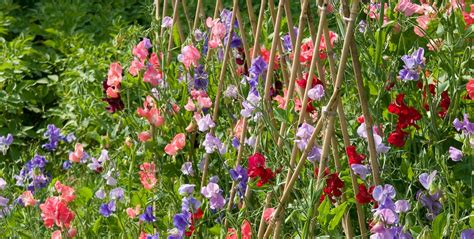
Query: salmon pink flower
{"points": [[55, 211], [56, 235], [67, 193], [189, 56], [190, 105], [135, 67], [144, 136], [147, 175], [78, 154], [114, 76], [27, 199], [153, 76], [204, 102], [141, 49], [470, 88], [133, 212], [423, 22], [268, 214], [178, 143], [113, 92]]}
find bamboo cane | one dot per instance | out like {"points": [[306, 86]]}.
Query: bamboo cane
{"points": [[165, 6], [251, 15], [170, 39]]}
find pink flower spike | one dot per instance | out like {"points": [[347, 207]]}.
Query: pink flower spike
{"points": [[190, 105], [135, 67], [67, 193], [133, 212], [114, 76]]}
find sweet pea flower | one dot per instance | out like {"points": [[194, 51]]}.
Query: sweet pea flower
{"points": [[204, 102], [189, 56], [167, 22], [190, 105], [187, 168], [114, 76], [455, 154], [144, 136], [186, 189], [141, 49], [6, 141], [427, 179], [206, 123], [212, 144], [178, 143], [133, 212], [213, 193], [78, 154], [147, 215], [67, 193], [107, 209], [153, 76], [268, 214], [317, 92], [135, 67], [147, 175], [55, 211], [407, 7], [27, 199]]}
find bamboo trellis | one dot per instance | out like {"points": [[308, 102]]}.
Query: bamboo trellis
{"points": [[291, 70]]}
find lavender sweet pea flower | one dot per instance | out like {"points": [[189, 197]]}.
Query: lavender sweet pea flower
{"points": [[466, 126], [427, 179], [387, 216], [167, 22], [412, 66], [153, 236], [198, 35], [187, 168], [317, 92], [100, 194], [116, 194], [4, 201], [315, 154], [147, 43], [287, 45], [186, 189], [5, 142], [106, 209], [213, 193], [231, 92], [431, 203], [205, 123], [360, 170], [54, 136], [258, 67], [214, 179], [455, 154], [189, 203], [303, 135], [110, 180], [67, 165], [381, 193], [217, 202], [211, 144], [402, 206], [147, 216], [362, 26], [3, 183]]}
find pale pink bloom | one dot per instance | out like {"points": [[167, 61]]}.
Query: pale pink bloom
{"points": [[78, 154], [407, 7], [210, 22], [128, 142], [27, 199], [189, 56], [140, 51], [281, 99], [135, 67], [144, 136], [56, 235], [71, 233], [133, 212], [178, 143], [114, 76], [426, 9], [198, 93], [67, 193], [197, 116], [218, 30], [190, 105], [204, 102], [113, 92], [422, 21], [148, 104], [191, 127], [268, 214], [153, 76]]}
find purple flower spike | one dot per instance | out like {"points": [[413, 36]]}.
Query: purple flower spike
{"points": [[187, 168], [180, 221], [147, 216], [381, 193], [106, 209], [5, 142], [467, 234], [427, 179]]}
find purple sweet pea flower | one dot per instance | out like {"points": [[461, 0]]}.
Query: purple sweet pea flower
{"points": [[4, 201], [431, 203], [211, 144], [413, 64], [251, 141], [240, 175], [198, 35], [213, 193], [186, 189], [200, 78], [5, 142], [455, 154], [153, 236], [360, 170], [181, 221], [100, 194], [303, 135], [3, 183], [167, 22], [187, 168], [116, 194], [381, 193], [427, 179], [387, 216], [147, 216], [205, 123], [189, 203], [258, 67], [466, 126], [402, 206], [317, 92], [315, 154], [67, 165], [106, 209], [362, 26], [214, 179], [54, 136], [235, 142], [467, 234]]}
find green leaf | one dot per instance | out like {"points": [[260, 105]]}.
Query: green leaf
{"points": [[96, 226], [215, 230], [439, 224], [339, 212], [323, 210], [84, 194]]}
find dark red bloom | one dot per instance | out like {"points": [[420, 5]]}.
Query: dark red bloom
{"points": [[257, 169], [364, 196], [444, 104], [194, 217], [354, 157], [302, 82], [333, 187], [397, 138]]}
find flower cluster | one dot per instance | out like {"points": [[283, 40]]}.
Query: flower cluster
{"points": [[406, 118], [151, 113], [430, 197], [184, 222], [302, 137], [212, 192], [112, 86], [256, 168], [54, 136], [240, 175], [55, 210], [147, 175], [32, 175]]}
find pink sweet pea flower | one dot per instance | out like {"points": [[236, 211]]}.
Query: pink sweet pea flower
{"points": [[204, 102], [56, 235], [407, 7], [238, 128], [178, 143], [140, 51], [190, 105], [281, 100], [154, 59], [114, 76], [268, 214], [113, 92], [155, 118], [67, 193], [153, 76], [55, 211], [27, 199], [133, 212], [144, 136], [147, 175], [77, 155], [469, 16], [135, 67], [189, 56], [422, 21], [246, 230]]}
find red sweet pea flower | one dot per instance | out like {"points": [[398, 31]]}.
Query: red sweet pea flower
{"points": [[397, 138], [257, 169], [354, 157], [302, 82], [364, 196], [407, 116], [333, 187], [470, 87]]}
